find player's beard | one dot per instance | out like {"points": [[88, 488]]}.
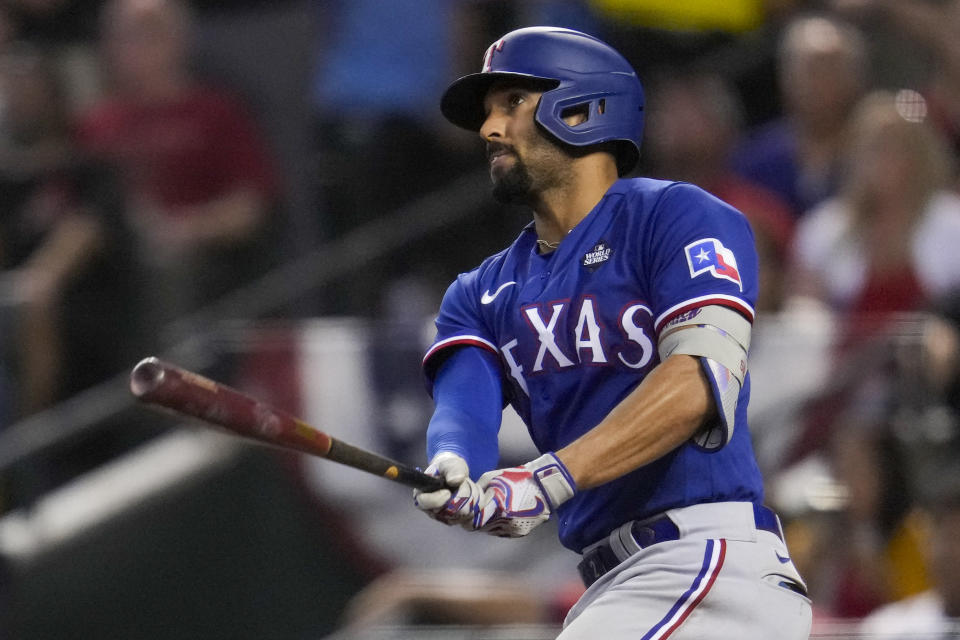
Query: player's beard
{"points": [[515, 185], [523, 182]]}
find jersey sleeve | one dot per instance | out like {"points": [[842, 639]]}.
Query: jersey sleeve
{"points": [[700, 252], [459, 324]]}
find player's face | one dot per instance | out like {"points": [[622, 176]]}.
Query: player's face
{"points": [[523, 162]]}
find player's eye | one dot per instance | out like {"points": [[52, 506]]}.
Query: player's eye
{"points": [[516, 99]]}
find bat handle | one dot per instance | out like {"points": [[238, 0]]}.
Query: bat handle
{"points": [[419, 480], [397, 471]]}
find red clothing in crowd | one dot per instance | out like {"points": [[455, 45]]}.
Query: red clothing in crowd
{"points": [[180, 152]]}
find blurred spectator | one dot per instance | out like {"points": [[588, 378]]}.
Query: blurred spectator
{"points": [[860, 522], [881, 246], [933, 613], [197, 181], [693, 122], [65, 30], [929, 432], [878, 553], [64, 289], [929, 29], [885, 243], [51, 238], [376, 92], [822, 74]]}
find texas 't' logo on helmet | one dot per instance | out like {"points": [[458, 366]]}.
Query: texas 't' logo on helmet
{"points": [[488, 56]]}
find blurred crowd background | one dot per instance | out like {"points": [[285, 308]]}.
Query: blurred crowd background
{"points": [[265, 191]]}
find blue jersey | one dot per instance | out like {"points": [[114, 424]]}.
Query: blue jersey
{"points": [[576, 331]]}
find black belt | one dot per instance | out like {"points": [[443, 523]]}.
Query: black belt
{"points": [[601, 558]]}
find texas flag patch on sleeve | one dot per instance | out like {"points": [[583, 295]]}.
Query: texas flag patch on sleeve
{"points": [[710, 256]]}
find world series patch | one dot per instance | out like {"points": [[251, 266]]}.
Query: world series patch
{"points": [[599, 254]]}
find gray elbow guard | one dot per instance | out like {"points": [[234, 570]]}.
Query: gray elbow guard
{"points": [[721, 338]]}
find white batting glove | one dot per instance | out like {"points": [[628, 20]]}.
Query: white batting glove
{"points": [[444, 505], [518, 499]]}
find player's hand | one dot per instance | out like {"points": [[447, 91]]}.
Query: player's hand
{"points": [[456, 505], [518, 499]]}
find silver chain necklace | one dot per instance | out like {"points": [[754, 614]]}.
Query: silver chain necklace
{"points": [[550, 245]]}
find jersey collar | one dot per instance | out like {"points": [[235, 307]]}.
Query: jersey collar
{"points": [[621, 186]]}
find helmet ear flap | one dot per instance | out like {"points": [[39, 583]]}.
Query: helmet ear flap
{"points": [[598, 119]]}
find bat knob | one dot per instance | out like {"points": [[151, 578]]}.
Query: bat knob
{"points": [[146, 376]]}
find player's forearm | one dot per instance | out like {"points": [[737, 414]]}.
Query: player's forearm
{"points": [[469, 403], [663, 412]]}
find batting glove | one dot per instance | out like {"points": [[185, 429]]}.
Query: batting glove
{"points": [[444, 505], [517, 500]]}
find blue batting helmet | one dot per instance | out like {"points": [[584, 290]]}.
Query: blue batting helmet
{"points": [[579, 70]]}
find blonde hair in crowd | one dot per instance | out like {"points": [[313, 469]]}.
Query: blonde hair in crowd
{"points": [[884, 123]]}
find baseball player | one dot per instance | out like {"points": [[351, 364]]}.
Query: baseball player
{"points": [[617, 325]]}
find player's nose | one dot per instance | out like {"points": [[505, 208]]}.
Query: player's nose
{"points": [[492, 127]]}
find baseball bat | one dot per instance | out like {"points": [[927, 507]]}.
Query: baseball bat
{"points": [[162, 384]]}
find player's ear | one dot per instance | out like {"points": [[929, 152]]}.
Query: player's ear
{"points": [[577, 115]]}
